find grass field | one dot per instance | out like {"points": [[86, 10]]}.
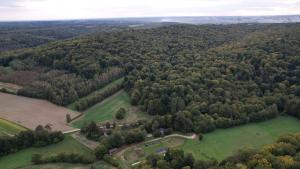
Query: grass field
{"points": [[9, 128], [224, 142], [23, 157], [107, 109], [114, 83]]}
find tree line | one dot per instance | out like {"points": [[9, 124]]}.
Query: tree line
{"points": [[40, 137]]}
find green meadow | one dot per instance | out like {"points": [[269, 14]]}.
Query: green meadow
{"points": [[23, 158], [221, 143], [104, 110], [224, 142]]}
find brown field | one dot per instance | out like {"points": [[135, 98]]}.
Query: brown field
{"points": [[30, 112]]}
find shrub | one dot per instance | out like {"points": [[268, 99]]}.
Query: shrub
{"points": [[111, 160], [62, 157], [200, 136]]}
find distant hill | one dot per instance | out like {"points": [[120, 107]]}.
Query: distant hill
{"points": [[228, 19]]}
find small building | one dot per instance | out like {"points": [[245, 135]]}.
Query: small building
{"points": [[162, 131], [112, 151], [161, 150], [149, 135]]}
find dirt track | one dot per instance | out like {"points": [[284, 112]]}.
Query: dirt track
{"points": [[30, 112]]}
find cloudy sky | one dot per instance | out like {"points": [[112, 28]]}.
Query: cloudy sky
{"points": [[80, 9]]}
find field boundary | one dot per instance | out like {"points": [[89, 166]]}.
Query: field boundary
{"points": [[15, 123]]}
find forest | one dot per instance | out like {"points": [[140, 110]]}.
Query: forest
{"points": [[18, 35], [195, 77]]}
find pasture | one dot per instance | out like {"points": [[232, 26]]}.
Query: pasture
{"points": [[224, 142], [9, 128], [30, 112], [107, 109], [23, 158], [221, 143]]}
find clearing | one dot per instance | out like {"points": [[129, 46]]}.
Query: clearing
{"points": [[218, 144], [110, 85], [23, 158], [8, 128], [30, 112], [106, 110]]}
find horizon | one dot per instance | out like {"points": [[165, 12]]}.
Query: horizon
{"points": [[145, 17], [47, 10]]}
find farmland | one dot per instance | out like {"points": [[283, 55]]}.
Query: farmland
{"points": [[9, 128], [33, 112], [107, 109], [23, 157], [223, 142]]}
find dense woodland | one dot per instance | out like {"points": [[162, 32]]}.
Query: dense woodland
{"points": [[284, 154], [197, 78], [17, 35]]}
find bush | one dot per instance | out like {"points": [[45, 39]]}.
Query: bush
{"points": [[62, 157], [36, 158], [200, 136]]}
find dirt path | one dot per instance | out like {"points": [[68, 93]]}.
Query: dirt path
{"points": [[71, 131]]}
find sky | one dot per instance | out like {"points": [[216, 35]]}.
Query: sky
{"points": [[12, 10]]}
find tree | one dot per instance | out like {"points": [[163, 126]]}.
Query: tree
{"points": [[36, 158], [68, 118], [182, 123], [100, 151], [121, 113], [92, 131]]}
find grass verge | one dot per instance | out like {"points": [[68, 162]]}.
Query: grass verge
{"points": [[9, 128]]}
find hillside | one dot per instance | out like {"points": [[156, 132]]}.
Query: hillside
{"points": [[232, 72], [189, 78]]}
